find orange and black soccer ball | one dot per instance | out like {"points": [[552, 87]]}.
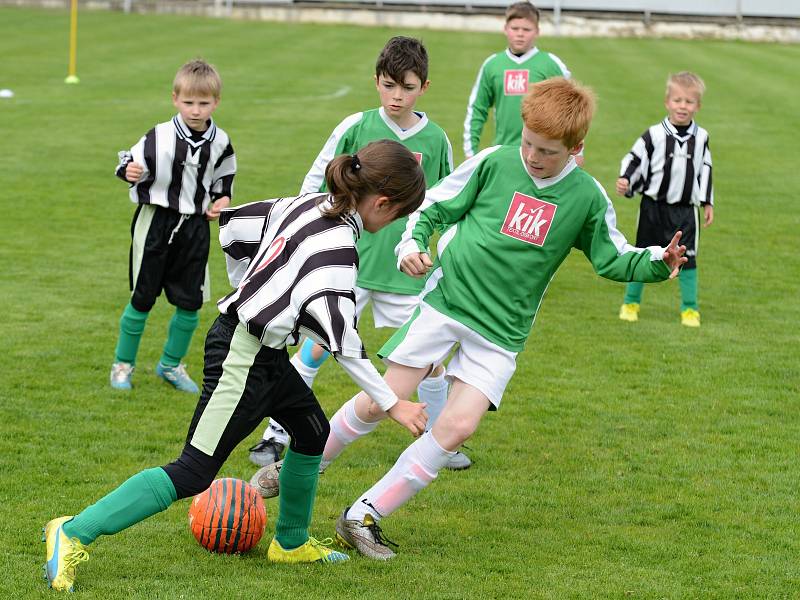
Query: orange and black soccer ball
{"points": [[228, 517]]}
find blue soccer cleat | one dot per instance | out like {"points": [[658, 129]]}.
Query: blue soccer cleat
{"points": [[177, 377]]}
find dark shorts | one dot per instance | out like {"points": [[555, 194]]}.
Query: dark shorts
{"points": [[658, 222], [169, 252], [243, 383]]}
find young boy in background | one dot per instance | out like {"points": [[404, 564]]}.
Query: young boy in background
{"points": [[670, 165], [401, 78], [504, 79], [181, 175]]}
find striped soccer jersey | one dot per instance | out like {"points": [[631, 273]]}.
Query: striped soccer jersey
{"points": [[182, 171], [502, 82], [429, 144], [668, 167], [294, 270], [510, 233]]}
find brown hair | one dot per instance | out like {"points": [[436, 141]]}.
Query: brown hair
{"points": [[401, 55], [559, 109], [522, 10], [687, 80], [197, 77], [383, 167]]}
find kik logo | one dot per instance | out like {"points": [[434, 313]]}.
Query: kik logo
{"points": [[515, 82], [528, 219]]}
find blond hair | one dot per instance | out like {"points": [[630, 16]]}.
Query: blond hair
{"points": [[559, 109], [687, 80], [197, 77], [522, 10]]}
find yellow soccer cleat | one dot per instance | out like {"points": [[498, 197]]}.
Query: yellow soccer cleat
{"points": [[690, 317], [312, 551], [63, 555], [629, 312]]}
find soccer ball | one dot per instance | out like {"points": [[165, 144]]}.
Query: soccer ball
{"points": [[228, 517]]}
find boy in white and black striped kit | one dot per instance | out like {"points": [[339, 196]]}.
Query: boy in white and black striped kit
{"points": [[670, 165], [181, 173]]}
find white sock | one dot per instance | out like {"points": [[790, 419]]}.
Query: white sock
{"points": [[277, 433], [307, 373], [346, 428], [414, 470], [433, 391]]}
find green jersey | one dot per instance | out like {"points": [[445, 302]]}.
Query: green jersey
{"points": [[429, 143], [509, 233], [502, 82]]}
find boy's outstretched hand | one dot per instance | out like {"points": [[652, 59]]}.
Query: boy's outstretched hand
{"points": [[674, 255], [416, 264], [410, 415]]}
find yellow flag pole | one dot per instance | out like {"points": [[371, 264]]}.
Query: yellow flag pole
{"points": [[72, 76]]}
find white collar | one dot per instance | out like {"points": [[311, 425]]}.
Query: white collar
{"points": [[673, 130], [521, 59], [185, 132], [543, 183], [404, 134]]}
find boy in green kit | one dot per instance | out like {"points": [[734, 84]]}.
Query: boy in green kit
{"points": [[504, 79], [401, 77]]}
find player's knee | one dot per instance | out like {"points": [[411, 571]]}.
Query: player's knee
{"points": [[459, 428], [191, 476], [309, 432]]}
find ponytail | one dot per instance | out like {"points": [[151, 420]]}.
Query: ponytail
{"points": [[383, 167]]}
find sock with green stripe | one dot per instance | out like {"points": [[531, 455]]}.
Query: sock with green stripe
{"points": [[131, 327], [179, 336], [688, 280], [298, 482], [143, 495]]}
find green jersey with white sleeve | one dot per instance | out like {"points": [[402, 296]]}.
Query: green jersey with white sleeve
{"points": [[429, 144], [508, 234], [503, 80]]}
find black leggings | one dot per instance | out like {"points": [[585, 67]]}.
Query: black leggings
{"points": [[272, 388]]}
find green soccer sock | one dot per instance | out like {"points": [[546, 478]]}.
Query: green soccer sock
{"points": [[181, 330], [143, 495], [633, 293], [298, 482], [688, 280], [131, 327]]}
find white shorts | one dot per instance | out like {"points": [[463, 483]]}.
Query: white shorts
{"points": [[429, 337], [388, 309]]}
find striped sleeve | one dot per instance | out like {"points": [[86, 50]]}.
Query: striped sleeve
{"points": [[610, 253], [635, 163], [224, 172], [706, 185], [444, 204], [240, 232], [480, 101], [315, 178]]}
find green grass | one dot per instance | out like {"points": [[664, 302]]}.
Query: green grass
{"points": [[645, 461]]}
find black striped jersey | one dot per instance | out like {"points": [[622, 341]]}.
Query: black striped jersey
{"points": [[295, 270], [183, 170], [669, 167]]}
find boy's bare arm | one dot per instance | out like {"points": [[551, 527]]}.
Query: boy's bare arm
{"points": [[708, 215]]}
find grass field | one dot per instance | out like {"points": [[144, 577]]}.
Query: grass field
{"points": [[643, 461]]}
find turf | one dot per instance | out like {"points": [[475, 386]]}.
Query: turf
{"points": [[645, 461]]}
